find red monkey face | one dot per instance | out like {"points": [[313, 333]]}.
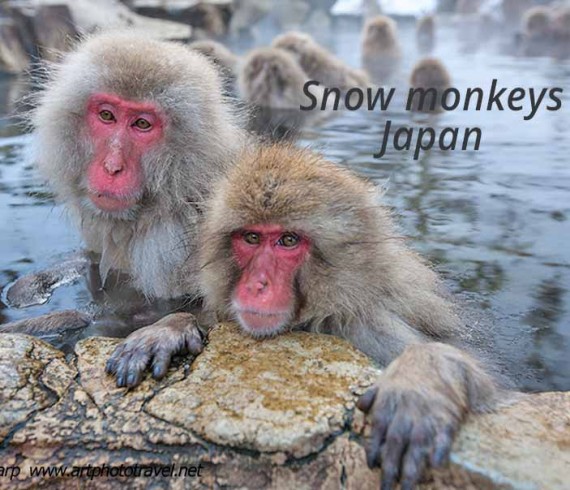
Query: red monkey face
{"points": [[121, 132], [269, 258]]}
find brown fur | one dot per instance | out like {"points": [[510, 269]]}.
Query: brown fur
{"points": [[361, 283], [425, 33], [380, 37], [271, 77], [430, 73], [155, 243], [320, 64], [537, 22], [219, 54], [381, 52], [344, 291]]}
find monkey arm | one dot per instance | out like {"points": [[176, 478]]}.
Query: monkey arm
{"points": [[154, 346], [59, 322], [36, 288], [417, 406]]}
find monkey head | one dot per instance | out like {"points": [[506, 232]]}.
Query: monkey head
{"points": [[430, 73], [286, 242], [126, 123], [302, 46], [270, 77], [380, 34]]}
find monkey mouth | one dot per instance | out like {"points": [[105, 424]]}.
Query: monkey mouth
{"points": [[262, 324], [112, 203]]}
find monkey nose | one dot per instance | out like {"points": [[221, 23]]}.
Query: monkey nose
{"points": [[259, 286], [113, 167]]}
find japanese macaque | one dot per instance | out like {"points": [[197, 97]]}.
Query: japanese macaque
{"points": [[207, 21], [221, 56], [291, 241], [381, 50], [425, 33], [319, 64], [130, 133], [537, 32], [431, 76], [271, 77], [561, 32]]}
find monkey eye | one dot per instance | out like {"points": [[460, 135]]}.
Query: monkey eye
{"points": [[142, 124], [106, 116], [288, 240], [251, 238]]}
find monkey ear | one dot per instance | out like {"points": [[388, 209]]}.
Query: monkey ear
{"points": [[364, 403]]}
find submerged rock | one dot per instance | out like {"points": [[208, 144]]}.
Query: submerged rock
{"points": [[275, 413]]}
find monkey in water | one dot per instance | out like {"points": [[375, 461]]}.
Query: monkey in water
{"points": [[536, 37], [271, 77], [291, 241], [221, 56], [425, 33], [130, 133], [431, 75], [319, 64], [381, 52]]}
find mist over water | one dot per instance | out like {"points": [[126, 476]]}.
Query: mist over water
{"points": [[496, 222]]}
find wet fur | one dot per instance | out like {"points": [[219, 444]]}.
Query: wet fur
{"points": [[155, 243]]}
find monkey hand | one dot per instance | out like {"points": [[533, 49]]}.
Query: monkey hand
{"points": [[416, 408], [154, 346]]}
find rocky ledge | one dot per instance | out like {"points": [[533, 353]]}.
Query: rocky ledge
{"points": [[276, 413]]}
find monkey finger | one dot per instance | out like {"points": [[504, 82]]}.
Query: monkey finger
{"points": [[112, 362], [365, 402], [160, 364], [415, 458], [131, 367], [194, 342], [380, 423], [393, 449], [442, 447]]}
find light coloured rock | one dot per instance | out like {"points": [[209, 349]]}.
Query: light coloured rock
{"points": [[276, 413], [13, 56], [89, 16], [288, 396]]}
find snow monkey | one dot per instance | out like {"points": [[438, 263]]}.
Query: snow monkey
{"points": [[271, 77], [319, 64], [432, 78], [381, 52], [291, 241], [130, 133]]}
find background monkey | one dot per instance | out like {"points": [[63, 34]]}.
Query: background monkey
{"points": [[221, 56], [130, 133], [292, 241], [270, 77], [319, 64], [381, 50], [429, 74], [425, 33]]}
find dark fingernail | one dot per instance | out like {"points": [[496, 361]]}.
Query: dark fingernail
{"points": [[121, 381], [110, 366], [159, 371], [372, 457], [440, 457], [387, 483], [132, 380]]}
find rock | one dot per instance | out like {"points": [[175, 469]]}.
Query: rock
{"points": [[275, 413], [89, 16], [13, 56], [54, 30], [209, 19]]}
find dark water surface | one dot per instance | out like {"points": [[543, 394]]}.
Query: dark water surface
{"points": [[495, 221]]}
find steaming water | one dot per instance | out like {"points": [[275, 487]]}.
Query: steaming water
{"points": [[495, 222]]}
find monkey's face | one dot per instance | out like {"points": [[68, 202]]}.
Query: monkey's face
{"points": [[269, 257], [121, 133]]}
